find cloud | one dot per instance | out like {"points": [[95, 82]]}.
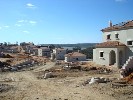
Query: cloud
{"points": [[18, 25], [21, 21], [27, 21], [26, 31], [6, 26], [30, 5], [32, 22]]}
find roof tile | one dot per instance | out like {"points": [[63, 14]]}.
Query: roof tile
{"points": [[110, 44], [75, 54], [120, 26]]}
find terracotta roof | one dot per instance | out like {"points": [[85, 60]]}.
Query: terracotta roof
{"points": [[75, 54], [120, 26], [110, 44]]}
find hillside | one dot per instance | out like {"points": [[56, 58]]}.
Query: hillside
{"points": [[82, 45]]}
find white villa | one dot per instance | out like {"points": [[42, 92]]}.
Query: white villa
{"points": [[75, 56], [117, 46], [58, 54], [43, 51]]}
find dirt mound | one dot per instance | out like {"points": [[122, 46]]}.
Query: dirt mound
{"points": [[129, 79], [74, 71]]}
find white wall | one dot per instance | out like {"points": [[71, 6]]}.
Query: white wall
{"points": [[40, 52], [124, 35], [59, 54], [105, 59], [75, 58]]}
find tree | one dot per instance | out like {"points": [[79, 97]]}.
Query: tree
{"points": [[5, 44], [51, 46], [77, 48], [88, 52]]}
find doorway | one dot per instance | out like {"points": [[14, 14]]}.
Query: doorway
{"points": [[112, 57]]}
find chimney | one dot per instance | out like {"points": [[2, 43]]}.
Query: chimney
{"points": [[110, 23]]}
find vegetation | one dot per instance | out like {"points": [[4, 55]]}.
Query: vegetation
{"points": [[76, 48], [88, 52]]}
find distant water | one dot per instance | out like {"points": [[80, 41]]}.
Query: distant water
{"points": [[71, 48]]}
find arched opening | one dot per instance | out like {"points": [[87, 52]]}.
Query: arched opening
{"points": [[112, 58], [120, 58]]}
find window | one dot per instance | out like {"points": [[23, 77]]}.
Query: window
{"points": [[116, 35], [108, 37], [129, 42], [101, 54]]}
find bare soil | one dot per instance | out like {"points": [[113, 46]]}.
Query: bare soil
{"points": [[67, 85]]}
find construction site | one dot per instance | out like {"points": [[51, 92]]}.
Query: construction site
{"points": [[25, 77]]}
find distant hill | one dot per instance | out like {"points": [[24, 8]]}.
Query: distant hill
{"points": [[82, 45]]}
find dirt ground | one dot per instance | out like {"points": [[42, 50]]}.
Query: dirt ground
{"points": [[25, 85]]}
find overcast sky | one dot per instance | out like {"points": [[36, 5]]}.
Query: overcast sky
{"points": [[60, 21]]}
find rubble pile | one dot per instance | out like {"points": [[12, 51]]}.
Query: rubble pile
{"points": [[97, 70], [96, 80], [5, 87], [6, 55], [48, 75], [20, 62]]}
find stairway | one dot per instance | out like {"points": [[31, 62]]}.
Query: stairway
{"points": [[129, 63]]}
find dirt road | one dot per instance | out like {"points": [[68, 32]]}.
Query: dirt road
{"points": [[43, 68]]}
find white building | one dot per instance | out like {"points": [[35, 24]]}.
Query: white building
{"points": [[58, 54], [43, 51], [117, 46], [75, 56]]}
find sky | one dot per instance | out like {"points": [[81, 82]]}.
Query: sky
{"points": [[60, 21]]}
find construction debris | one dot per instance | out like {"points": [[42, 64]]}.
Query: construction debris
{"points": [[129, 79], [11, 79], [48, 75], [5, 87]]}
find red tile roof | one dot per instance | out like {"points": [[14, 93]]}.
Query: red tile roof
{"points": [[109, 44], [76, 54], [120, 26]]}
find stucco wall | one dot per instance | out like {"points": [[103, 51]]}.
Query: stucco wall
{"points": [[105, 60], [94, 55], [59, 54], [40, 52], [74, 58], [35, 52], [123, 37]]}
